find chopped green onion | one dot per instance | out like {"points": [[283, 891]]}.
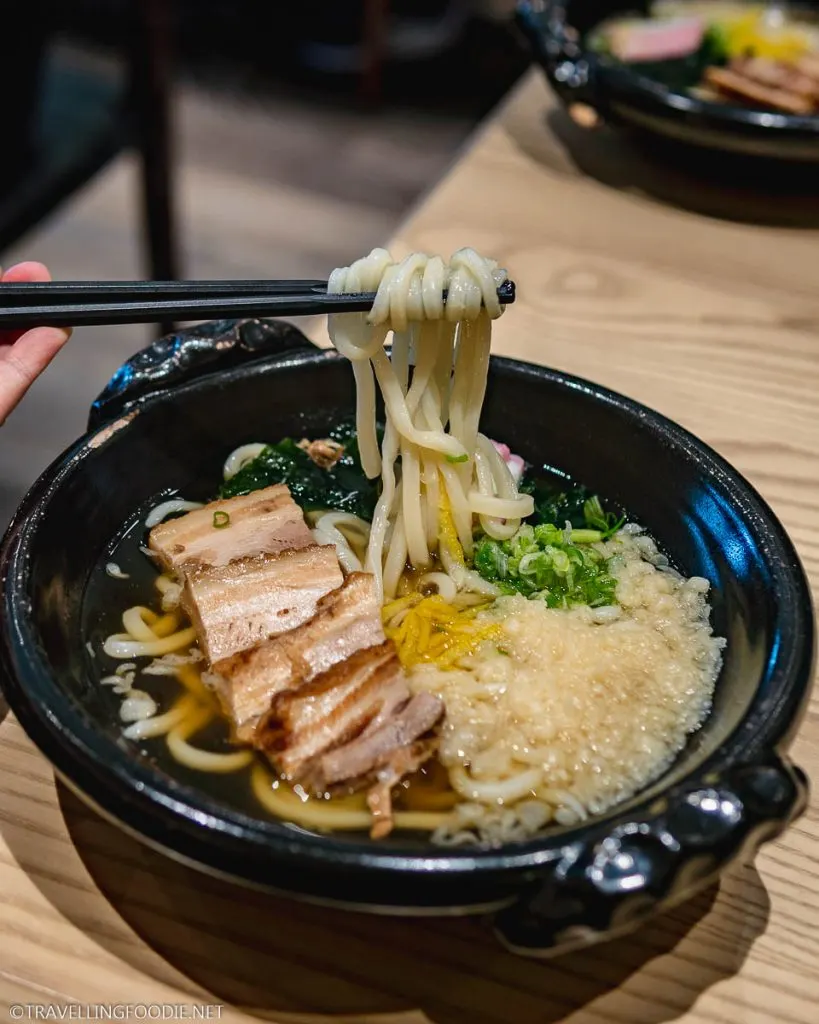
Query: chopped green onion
{"points": [[457, 458], [606, 522], [220, 520], [560, 567]]}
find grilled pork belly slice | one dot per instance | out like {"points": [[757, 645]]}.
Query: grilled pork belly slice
{"points": [[246, 682], [331, 709], [737, 84], [378, 748], [353, 726], [346, 620], [263, 522], [394, 746], [778, 75], [809, 65], [235, 606]]}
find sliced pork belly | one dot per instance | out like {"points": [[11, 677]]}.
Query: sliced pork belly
{"points": [[778, 75], [737, 84], [262, 522], [235, 606], [809, 65], [332, 709], [246, 682], [386, 746], [353, 726], [346, 620]]}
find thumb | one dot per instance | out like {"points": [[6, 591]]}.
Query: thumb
{"points": [[30, 271]]}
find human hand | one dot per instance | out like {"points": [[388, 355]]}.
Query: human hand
{"points": [[25, 354]]}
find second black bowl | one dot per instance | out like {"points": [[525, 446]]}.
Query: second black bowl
{"points": [[555, 31]]}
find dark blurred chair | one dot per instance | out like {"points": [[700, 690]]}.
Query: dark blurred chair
{"points": [[60, 126], [376, 16]]}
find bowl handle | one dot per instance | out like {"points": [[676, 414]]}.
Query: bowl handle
{"points": [[607, 885], [572, 71], [191, 353]]}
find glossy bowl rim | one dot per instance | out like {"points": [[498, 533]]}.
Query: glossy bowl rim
{"points": [[71, 737]]}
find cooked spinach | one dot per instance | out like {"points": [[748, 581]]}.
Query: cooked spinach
{"points": [[554, 505], [572, 504], [343, 487]]}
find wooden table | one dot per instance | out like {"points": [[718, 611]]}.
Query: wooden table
{"points": [[716, 323]]}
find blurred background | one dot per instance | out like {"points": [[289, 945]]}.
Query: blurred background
{"points": [[221, 139]]}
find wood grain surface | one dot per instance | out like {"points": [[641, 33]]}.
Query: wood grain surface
{"points": [[699, 299]]}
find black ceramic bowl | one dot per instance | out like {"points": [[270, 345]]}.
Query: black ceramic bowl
{"points": [[556, 31], [167, 421]]}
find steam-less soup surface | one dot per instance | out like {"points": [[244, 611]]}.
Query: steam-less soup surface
{"points": [[403, 625]]}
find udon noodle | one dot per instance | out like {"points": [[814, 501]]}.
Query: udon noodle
{"points": [[431, 420]]}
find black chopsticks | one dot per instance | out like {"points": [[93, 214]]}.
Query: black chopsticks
{"points": [[84, 303]]}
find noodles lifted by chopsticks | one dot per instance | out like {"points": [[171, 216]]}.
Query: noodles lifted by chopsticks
{"points": [[436, 468]]}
